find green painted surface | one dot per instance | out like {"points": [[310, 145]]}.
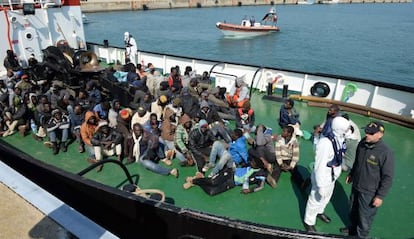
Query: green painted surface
{"points": [[283, 206]]}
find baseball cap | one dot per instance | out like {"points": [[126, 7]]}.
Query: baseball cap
{"points": [[374, 127]]}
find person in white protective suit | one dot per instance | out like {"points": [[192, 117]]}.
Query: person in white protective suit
{"points": [[130, 47], [327, 169]]}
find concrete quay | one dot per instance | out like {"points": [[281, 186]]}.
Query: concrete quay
{"points": [[134, 5]]}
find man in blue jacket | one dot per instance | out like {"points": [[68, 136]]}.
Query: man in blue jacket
{"points": [[371, 177], [236, 154]]}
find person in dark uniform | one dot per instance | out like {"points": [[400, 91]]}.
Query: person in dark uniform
{"points": [[371, 178]]}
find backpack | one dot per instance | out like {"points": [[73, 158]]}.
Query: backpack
{"points": [[219, 183]]}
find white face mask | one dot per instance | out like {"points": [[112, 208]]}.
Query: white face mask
{"points": [[348, 134]]}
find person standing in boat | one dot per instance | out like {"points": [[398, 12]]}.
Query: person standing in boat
{"points": [[371, 177], [325, 128], [252, 21], [131, 48], [327, 169], [351, 145], [333, 112], [271, 16]]}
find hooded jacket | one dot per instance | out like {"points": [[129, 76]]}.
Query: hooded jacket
{"points": [[168, 127], [200, 143], [87, 130], [181, 135]]}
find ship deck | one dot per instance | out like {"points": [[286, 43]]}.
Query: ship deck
{"points": [[283, 206]]}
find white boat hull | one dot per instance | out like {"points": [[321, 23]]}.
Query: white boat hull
{"points": [[241, 31], [394, 99]]}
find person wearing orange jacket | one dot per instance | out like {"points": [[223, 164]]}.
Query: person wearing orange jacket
{"points": [[87, 131]]}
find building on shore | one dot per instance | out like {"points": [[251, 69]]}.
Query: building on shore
{"points": [[122, 5]]}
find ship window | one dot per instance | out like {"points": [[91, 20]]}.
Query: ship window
{"points": [[28, 8]]}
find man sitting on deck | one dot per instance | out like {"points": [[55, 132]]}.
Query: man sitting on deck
{"points": [[58, 128], [227, 178], [289, 116], [239, 93], [106, 141]]}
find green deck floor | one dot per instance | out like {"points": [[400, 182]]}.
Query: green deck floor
{"points": [[283, 206]]}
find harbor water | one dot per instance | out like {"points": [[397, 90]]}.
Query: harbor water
{"points": [[370, 41]]}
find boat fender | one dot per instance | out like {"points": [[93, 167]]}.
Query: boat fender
{"points": [[320, 89]]}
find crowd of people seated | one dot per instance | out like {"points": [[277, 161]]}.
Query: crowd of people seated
{"points": [[182, 117], [172, 117]]}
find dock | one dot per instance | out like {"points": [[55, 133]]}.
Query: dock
{"points": [[28, 211], [143, 5]]}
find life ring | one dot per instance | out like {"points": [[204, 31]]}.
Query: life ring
{"points": [[320, 89], [349, 91]]}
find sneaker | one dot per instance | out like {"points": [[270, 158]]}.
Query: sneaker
{"points": [[187, 185], [166, 161], [199, 175], [63, 147], [189, 179], [91, 160], [174, 172], [309, 228], [207, 167], [81, 148], [99, 168], [37, 138], [48, 144]]}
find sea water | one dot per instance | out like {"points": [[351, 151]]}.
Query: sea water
{"points": [[370, 41]]}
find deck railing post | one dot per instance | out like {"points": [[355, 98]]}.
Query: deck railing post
{"points": [[285, 91]]}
